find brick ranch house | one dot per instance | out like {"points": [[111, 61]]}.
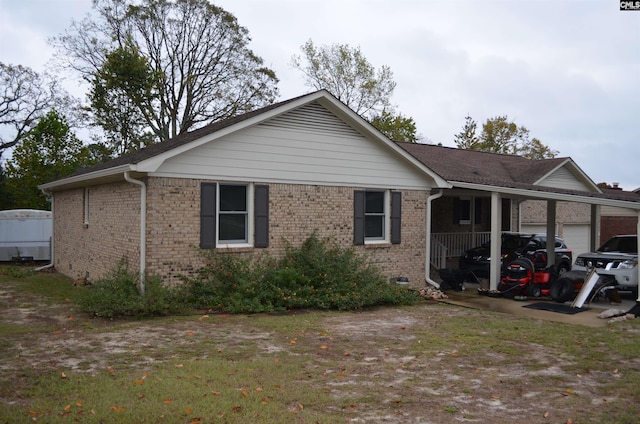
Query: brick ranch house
{"points": [[255, 182]]}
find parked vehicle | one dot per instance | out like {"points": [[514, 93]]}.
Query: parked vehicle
{"points": [[617, 258], [515, 246]]}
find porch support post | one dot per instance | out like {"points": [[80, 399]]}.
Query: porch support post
{"points": [[594, 228], [551, 232], [496, 251]]}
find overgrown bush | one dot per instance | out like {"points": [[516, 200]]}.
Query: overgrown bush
{"points": [[118, 294], [318, 274]]}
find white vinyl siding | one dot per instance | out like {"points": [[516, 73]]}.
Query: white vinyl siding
{"points": [[309, 145], [564, 179]]}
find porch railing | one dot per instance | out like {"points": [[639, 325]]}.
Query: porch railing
{"points": [[455, 244], [438, 254]]}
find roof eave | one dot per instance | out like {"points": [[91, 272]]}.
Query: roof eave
{"points": [[80, 180], [548, 195]]}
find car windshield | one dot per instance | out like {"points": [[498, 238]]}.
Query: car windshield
{"points": [[514, 242], [620, 244]]}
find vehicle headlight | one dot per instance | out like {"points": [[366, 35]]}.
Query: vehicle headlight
{"points": [[628, 264], [580, 261]]}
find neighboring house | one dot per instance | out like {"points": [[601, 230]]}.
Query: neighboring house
{"points": [[618, 221], [574, 220], [253, 183]]}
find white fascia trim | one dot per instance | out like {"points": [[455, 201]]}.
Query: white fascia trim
{"points": [[89, 176], [550, 195], [584, 177]]}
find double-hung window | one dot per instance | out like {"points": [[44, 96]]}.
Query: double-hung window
{"points": [[234, 215], [377, 216]]}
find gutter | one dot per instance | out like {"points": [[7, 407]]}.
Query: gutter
{"points": [[50, 264], [427, 267], [143, 227]]}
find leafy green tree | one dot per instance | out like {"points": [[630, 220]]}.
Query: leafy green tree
{"points": [[198, 52], [467, 138], [6, 196], [396, 127], [122, 90], [347, 74], [50, 151], [499, 135], [25, 97]]}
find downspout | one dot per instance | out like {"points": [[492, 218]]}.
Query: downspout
{"points": [[143, 227], [427, 267], [50, 264]]}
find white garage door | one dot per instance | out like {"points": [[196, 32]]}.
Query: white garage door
{"points": [[577, 238]]}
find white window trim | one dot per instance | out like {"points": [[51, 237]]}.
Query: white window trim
{"points": [[250, 217], [387, 219]]}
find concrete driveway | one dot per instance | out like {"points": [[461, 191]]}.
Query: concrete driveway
{"points": [[589, 316]]}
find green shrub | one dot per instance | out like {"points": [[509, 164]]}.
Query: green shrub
{"points": [[318, 274], [118, 294]]}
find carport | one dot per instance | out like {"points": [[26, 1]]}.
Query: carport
{"points": [[517, 178]]}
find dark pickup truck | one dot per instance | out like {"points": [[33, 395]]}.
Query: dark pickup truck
{"points": [[515, 246]]}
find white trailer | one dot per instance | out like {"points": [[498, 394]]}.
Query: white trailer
{"points": [[25, 234]]}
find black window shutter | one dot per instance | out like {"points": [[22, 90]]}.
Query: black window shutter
{"points": [[261, 210], [208, 215], [358, 217], [396, 217]]}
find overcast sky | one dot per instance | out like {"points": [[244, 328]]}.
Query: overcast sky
{"points": [[568, 70]]}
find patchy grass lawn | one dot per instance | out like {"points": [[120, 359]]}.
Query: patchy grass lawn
{"points": [[430, 363]]}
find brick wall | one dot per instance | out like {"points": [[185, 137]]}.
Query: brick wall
{"points": [[112, 232], [617, 225], [295, 212], [535, 212]]}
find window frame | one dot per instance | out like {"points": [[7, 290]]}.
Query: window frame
{"points": [[248, 213], [386, 218]]}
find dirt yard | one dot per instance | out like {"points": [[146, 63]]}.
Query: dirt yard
{"points": [[432, 363]]}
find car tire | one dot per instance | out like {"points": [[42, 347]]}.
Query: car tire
{"points": [[562, 290]]}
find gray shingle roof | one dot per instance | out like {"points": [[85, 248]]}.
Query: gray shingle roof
{"points": [[472, 166], [492, 169]]}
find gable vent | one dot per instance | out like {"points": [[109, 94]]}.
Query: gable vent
{"points": [[312, 118]]}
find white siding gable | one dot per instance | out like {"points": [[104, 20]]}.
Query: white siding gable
{"points": [[563, 178], [308, 145]]}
